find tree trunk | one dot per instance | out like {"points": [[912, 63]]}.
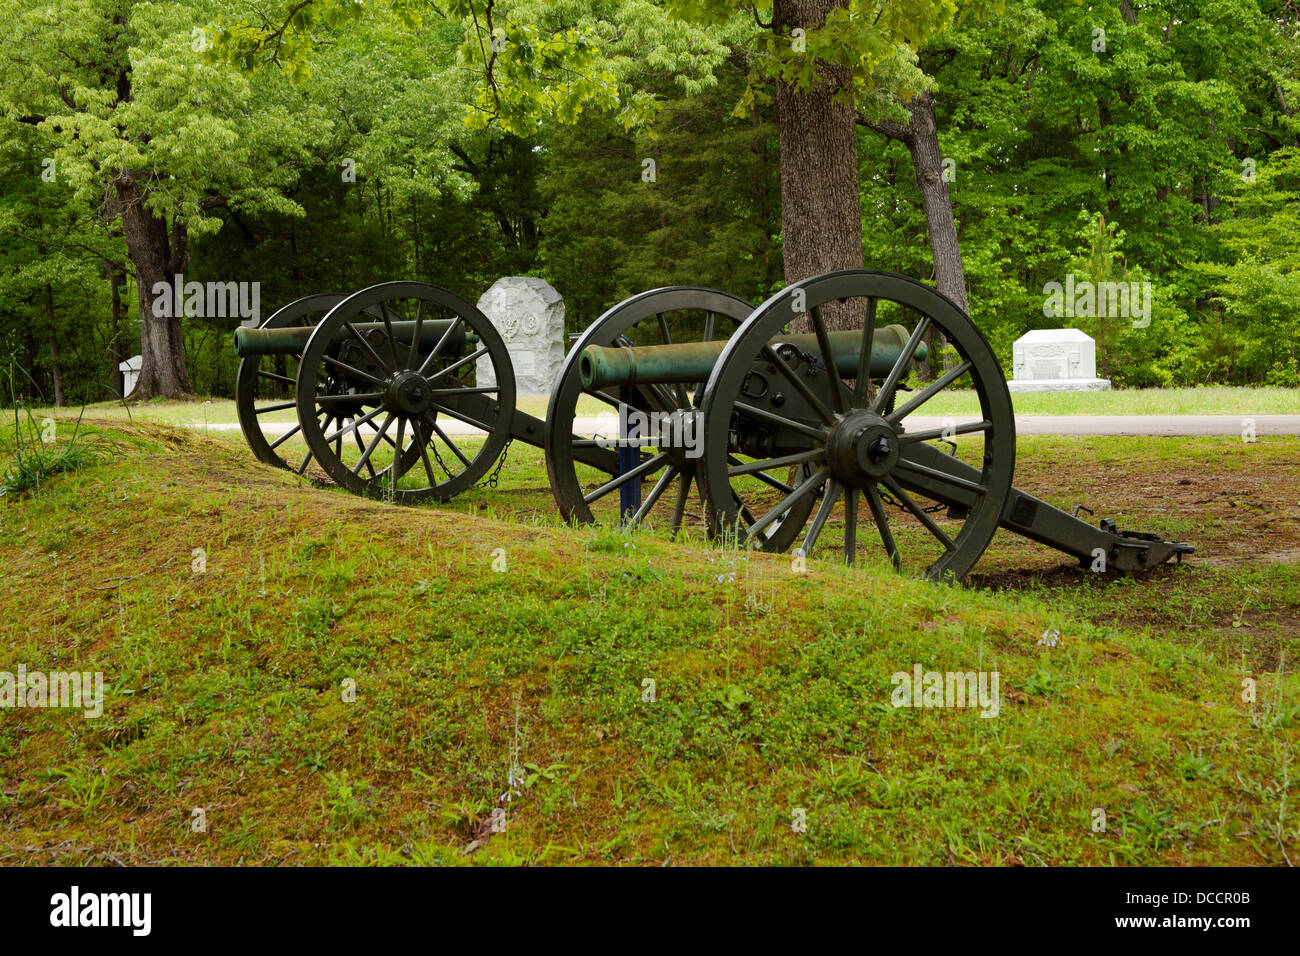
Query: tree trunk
{"points": [[945, 250], [821, 210], [921, 137], [115, 277], [56, 370], [927, 163], [157, 257]]}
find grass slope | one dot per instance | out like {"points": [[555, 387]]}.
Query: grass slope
{"points": [[525, 691]]}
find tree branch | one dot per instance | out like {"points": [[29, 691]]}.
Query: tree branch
{"points": [[886, 128]]}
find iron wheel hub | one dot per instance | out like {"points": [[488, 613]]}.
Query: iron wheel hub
{"points": [[408, 393], [862, 448]]}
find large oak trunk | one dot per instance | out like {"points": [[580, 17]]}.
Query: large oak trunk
{"points": [[158, 254], [821, 211]]}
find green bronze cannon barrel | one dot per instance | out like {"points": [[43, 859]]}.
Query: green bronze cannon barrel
{"points": [[693, 362], [292, 340]]}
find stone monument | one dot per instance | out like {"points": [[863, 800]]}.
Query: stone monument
{"points": [[529, 314], [1055, 360]]}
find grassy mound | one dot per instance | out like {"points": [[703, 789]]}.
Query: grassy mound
{"points": [[293, 675]]}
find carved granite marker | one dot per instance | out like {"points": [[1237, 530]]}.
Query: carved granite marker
{"points": [[529, 314], [1055, 360]]}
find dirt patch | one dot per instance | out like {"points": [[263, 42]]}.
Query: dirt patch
{"points": [[1238, 593]]}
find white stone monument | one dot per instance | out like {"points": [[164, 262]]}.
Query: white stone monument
{"points": [[1055, 360], [130, 370], [529, 314]]}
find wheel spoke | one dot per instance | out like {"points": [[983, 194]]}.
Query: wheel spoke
{"points": [[396, 467], [362, 445], [286, 436], [897, 491], [805, 487], [352, 330], [276, 377], [709, 321], [864, 355], [607, 399], [764, 477], [929, 472], [668, 340], [658, 397], [800, 386], [449, 443], [455, 365], [927, 393], [415, 339], [886, 537], [424, 440], [437, 349], [356, 372], [374, 443], [904, 358], [833, 489], [350, 397], [353, 426], [650, 464], [483, 390], [772, 418], [461, 416], [655, 493], [850, 525], [828, 359], [749, 467], [392, 336], [932, 433]]}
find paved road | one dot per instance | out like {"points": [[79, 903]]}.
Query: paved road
{"points": [[1162, 425]]}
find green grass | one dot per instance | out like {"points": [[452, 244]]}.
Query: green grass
{"points": [[525, 690], [1152, 401], [210, 411], [1167, 401]]}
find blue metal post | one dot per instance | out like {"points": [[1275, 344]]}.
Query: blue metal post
{"points": [[629, 493]]}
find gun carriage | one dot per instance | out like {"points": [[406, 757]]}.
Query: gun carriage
{"points": [[793, 433]]}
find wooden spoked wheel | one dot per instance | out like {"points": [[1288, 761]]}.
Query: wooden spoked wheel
{"points": [[406, 387], [770, 405]]}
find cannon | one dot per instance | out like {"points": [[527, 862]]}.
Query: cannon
{"points": [[802, 419], [391, 373], [816, 418]]}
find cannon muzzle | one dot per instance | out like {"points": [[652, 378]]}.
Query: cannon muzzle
{"points": [[693, 362], [292, 340]]}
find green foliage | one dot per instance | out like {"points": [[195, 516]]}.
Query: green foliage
{"points": [[332, 144], [37, 455], [711, 215], [1154, 133]]}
